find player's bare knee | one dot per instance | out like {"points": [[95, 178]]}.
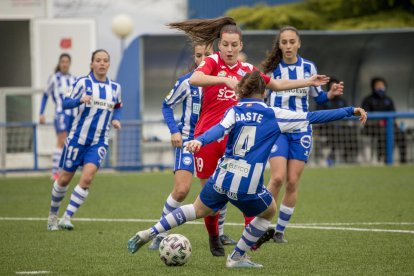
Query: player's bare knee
{"points": [[291, 187], [180, 194]]}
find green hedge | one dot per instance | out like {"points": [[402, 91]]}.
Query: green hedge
{"points": [[328, 14]]}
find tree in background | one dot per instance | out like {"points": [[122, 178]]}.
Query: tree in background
{"points": [[328, 15]]}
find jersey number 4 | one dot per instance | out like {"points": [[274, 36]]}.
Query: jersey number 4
{"points": [[244, 141]]}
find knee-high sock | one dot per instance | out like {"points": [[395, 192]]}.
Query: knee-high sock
{"points": [[177, 217], [170, 205], [247, 220], [251, 234], [58, 193], [77, 198], [285, 214], [221, 219], [57, 152], [211, 223]]}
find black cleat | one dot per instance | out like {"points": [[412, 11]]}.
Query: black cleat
{"points": [[278, 238], [226, 240], [216, 248], [264, 238]]}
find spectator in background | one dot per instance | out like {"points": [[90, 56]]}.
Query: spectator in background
{"points": [[340, 135], [376, 102]]}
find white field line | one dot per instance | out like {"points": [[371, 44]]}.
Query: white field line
{"points": [[318, 226], [32, 272]]}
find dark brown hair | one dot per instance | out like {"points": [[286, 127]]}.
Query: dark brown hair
{"points": [[64, 55], [251, 84], [97, 51], [206, 31], [193, 45], [275, 56]]}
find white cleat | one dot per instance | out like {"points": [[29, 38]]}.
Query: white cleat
{"points": [[52, 222], [137, 241], [65, 223], [244, 262]]}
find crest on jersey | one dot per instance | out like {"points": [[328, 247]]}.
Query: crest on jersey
{"points": [[307, 75], [187, 160], [306, 141], [241, 72], [221, 74], [102, 152], [68, 163]]}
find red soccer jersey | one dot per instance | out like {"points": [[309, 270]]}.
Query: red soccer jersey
{"points": [[218, 98]]}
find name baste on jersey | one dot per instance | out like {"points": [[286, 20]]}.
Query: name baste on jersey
{"points": [[58, 85], [253, 128], [190, 97], [92, 124], [295, 99]]}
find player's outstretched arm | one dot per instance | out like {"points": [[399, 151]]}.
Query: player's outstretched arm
{"points": [[315, 80]]}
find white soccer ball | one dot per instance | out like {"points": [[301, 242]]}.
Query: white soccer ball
{"points": [[175, 249]]}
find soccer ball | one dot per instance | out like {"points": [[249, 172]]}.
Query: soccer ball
{"points": [[175, 249]]}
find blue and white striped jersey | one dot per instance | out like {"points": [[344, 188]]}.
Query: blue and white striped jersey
{"points": [[253, 129], [92, 124], [58, 86], [190, 97], [295, 99]]}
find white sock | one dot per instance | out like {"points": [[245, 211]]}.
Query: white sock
{"points": [[77, 198], [58, 193]]}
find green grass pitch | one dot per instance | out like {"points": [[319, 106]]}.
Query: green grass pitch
{"points": [[348, 221]]}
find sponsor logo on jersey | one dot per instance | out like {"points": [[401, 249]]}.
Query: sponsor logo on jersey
{"points": [[241, 72], [196, 108], [225, 94], [306, 141], [168, 97], [187, 160], [238, 167], [222, 74], [307, 75], [102, 104]]}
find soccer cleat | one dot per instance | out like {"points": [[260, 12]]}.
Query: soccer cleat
{"points": [[278, 238], [137, 241], [65, 223], [52, 222], [244, 262], [216, 248], [264, 238], [155, 244], [226, 240]]}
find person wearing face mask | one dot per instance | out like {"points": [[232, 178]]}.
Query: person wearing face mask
{"points": [[379, 101]]}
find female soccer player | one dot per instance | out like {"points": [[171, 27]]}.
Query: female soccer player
{"points": [[253, 128], [219, 75], [190, 98], [58, 85], [291, 151], [98, 100]]}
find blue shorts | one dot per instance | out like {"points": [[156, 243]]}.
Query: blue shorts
{"points": [[251, 205], [293, 146], [63, 122], [75, 155], [184, 160]]}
